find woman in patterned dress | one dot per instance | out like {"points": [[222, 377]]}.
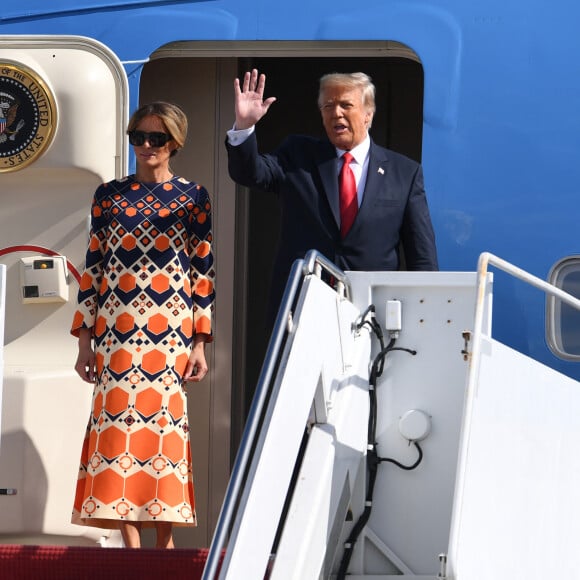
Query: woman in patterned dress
{"points": [[144, 315]]}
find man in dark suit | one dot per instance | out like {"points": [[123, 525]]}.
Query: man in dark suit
{"points": [[390, 208]]}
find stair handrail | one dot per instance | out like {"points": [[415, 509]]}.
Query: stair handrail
{"points": [[485, 260], [315, 263]]}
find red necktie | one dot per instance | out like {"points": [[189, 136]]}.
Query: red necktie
{"points": [[347, 192]]}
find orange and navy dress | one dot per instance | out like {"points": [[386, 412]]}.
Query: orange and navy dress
{"points": [[147, 288]]}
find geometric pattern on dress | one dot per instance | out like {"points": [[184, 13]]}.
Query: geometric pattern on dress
{"points": [[147, 288]]}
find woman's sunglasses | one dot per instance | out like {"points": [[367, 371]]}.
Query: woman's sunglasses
{"points": [[155, 139]]}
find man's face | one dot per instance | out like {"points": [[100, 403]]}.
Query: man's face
{"points": [[345, 118]]}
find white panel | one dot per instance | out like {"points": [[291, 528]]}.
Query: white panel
{"points": [[45, 207], [411, 514], [43, 279], [45, 420], [2, 318], [518, 510], [333, 464]]}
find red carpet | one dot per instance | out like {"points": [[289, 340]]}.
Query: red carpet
{"points": [[80, 563]]}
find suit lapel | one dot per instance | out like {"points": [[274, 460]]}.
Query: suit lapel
{"points": [[329, 179], [376, 176]]}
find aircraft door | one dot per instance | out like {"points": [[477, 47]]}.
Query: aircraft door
{"points": [[63, 113]]}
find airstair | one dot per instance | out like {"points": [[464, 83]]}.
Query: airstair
{"points": [[392, 437]]}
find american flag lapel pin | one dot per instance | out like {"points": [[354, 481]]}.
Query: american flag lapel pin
{"points": [[381, 170]]}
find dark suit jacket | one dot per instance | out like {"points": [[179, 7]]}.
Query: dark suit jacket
{"points": [[303, 172]]}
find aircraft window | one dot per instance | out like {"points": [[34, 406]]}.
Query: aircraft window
{"points": [[563, 321]]}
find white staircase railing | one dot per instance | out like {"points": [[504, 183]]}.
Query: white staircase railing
{"points": [[516, 505]]}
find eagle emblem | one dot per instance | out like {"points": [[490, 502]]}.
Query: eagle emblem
{"points": [[8, 114], [27, 116]]}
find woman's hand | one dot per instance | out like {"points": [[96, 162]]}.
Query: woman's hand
{"points": [[196, 367], [86, 361]]}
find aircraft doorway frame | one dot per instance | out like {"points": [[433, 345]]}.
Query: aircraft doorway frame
{"points": [[199, 76]]}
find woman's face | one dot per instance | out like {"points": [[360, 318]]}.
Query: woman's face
{"points": [[148, 156]]}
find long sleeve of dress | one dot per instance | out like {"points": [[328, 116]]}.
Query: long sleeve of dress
{"points": [[90, 284], [202, 271]]}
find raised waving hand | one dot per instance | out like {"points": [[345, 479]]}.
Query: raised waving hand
{"points": [[249, 99]]}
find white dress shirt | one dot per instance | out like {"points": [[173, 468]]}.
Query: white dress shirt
{"points": [[359, 165]]}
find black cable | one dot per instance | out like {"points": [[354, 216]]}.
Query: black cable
{"points": [[374, 326], [406, 467], [372, 466], [373, 460]]}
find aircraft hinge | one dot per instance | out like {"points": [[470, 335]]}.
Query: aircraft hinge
{"points": [[442, 567], [465, 351]]}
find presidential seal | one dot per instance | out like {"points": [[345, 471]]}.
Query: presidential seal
{"points": [[27, 116]]}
